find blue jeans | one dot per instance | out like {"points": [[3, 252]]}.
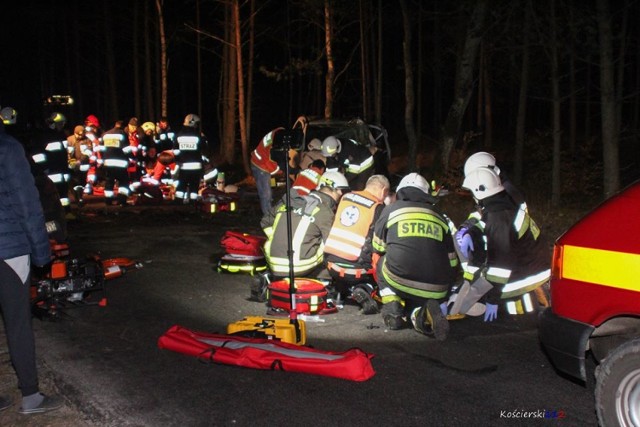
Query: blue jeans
{"points": [[263, 185]]}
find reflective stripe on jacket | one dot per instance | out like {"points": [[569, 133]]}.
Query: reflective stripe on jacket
{"points": [[351, 225], [311, 219], [261, 156]]}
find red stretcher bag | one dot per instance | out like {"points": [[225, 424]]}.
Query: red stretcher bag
{"points": [[353, 364], [311, 297], [237, 243]]}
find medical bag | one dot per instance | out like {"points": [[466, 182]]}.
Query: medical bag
{"points": [[236, 243], [311, 297]]}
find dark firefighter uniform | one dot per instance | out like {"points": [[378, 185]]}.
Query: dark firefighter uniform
{"points": [[165, 140], [115, 164], [311, 219], [53, 161], [355, 161], [419, 261], [189, 148], [516, 260]]}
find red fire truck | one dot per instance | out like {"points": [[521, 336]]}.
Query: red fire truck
{"points": [[595, 305]]}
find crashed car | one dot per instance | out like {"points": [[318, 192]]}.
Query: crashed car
{"points": [[367, 134]]}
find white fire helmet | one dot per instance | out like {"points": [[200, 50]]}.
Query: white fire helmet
{"points": [[483, 182], [478, 160], [330, 146], [191, 120], [314, 144], [414, 180], [335, 180], [8, 115]]}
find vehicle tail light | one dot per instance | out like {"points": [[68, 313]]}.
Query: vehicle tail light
{"points": [[556, 262]]}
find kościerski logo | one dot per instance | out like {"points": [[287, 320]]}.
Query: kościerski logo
{"points": [[556, 414]]}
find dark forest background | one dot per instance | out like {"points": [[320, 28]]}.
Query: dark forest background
{"points": [[550, 87]]}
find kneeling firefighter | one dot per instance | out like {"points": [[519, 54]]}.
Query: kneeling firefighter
{"points": [[348, 249], [516, 262], [418, 262], [311, 219]]}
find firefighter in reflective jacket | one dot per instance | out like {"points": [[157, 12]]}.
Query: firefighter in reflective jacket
{"points": [[308, 179], [311, 219], [516, 261], [267, 163], [54, 159], [418, 263], [189, 149], [115, 164], [347, 156], [348, 249], [470, 226]]}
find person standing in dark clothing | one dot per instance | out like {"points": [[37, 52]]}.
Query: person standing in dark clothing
{"points": [[116, 162], [190, 146], [23, 240], [53, 156]]}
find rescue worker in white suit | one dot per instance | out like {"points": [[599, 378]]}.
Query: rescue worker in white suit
{"points": [[513, 260]]}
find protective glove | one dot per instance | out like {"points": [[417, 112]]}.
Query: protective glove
{"points": [[460, 234], [444, 308], [491, 313], [466, 245]]}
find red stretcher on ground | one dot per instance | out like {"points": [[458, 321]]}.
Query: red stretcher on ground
{"points": [[353, 364]]}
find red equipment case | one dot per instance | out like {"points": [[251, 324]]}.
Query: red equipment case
{"points": [[311, 297]]}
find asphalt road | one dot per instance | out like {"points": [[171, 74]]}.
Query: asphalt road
{"points": [[107, 364]]}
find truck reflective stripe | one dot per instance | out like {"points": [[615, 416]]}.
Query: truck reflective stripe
{"points": [[606, 268]]}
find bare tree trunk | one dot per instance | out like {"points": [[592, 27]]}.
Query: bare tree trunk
{"points": [[252, 36], [464, 83], [241, 104], [135, 58], [379, 67], [572, 83], [487, 107], [572, 102], [557, 131], [148, 91], [480, 96], [163, 59], [420, 68], [364, 75], [436, 100], [110, 61], [76, 43], [587, 108], [331, 73], [230, 86], [621, 66], [409, 95], [635, 122], [610, 143], [199, 60], [522, 97]]}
